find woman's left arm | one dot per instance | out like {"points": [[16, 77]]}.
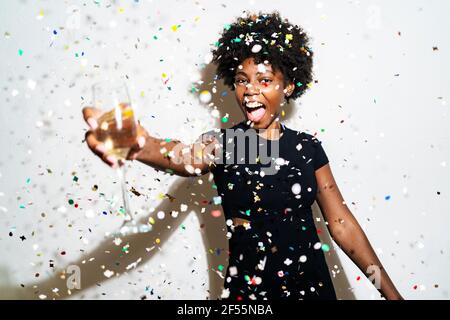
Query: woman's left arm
{"points": [[348, 234]]}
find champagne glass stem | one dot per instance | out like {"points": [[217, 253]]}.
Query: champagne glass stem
{"points": [[121, 172]]}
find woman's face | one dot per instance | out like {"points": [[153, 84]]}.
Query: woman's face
{"points": [[260, 91]]}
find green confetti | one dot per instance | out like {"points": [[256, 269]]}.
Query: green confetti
{"points": [[247, 278], [325, 247], [75, 178], [20, 52], [28, 180], [70, 201], [225, 119], [247, 212], [220, 267]]}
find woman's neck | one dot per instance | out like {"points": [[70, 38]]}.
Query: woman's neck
{"points": [[273, 132]]}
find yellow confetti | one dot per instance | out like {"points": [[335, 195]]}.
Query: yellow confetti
{"points": [[174, 28], [164, 75], [142, 93], [151, 220], [157, 240], [289, 37], [196, 19], [121, 10]]}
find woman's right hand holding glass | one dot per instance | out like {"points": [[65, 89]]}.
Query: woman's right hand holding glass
{"points": [[91, 115]]}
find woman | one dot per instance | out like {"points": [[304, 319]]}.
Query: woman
{"points": [[275, 252]]}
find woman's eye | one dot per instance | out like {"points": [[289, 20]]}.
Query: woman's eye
{"points": [[266, 82], [239, 81]]}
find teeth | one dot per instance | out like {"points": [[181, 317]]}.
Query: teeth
{"points": [[253, 104]]}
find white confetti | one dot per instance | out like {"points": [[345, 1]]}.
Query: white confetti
{"points": [[296, 188], [256, 48], [108, 273]]}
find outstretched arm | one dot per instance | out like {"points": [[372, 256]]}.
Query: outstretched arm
{"points": [[173, 156], [348, 234], [168, 155]]}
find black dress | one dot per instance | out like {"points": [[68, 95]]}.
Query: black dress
{"points": [[280, 256]]}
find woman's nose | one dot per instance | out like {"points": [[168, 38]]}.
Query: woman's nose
{"points": [[252, 89]]}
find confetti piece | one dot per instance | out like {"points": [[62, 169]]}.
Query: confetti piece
{"points": [[216, 213], [108, 273], [296, 188], [205, 96], [256, 48]]}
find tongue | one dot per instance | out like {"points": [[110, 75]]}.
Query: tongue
{"points": [[256, 114]]}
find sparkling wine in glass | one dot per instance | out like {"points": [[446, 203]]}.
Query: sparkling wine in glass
{"points": [[117, 130]]}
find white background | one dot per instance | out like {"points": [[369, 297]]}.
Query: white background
{"points": [[380, 107]]}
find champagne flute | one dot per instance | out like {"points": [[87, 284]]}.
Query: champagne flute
{"points": [[117, 130]]}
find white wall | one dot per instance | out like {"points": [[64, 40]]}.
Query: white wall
{"points": [[390, 90]]}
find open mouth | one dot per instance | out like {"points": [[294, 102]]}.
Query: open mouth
{"points": [[255, 110]]}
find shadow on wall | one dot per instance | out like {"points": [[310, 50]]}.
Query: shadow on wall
{"points": [[196, 196]]}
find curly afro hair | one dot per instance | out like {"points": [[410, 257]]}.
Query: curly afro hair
{"points": [[265, 37]]}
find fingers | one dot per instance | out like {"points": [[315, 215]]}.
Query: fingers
{"points": [[90, 115], [100, 150], [141, 140], [136, 148]]}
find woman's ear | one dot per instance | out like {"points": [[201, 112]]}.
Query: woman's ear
{"points": [[290, 89]]}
